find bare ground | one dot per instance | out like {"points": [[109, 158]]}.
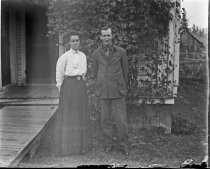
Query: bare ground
{"points": [[149, 146]]}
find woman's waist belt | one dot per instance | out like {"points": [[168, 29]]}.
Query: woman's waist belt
{"points": [[78, 77]]}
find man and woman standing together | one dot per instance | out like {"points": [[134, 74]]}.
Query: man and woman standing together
{"points": [[110, 65]]}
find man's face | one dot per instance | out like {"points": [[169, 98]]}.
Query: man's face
{"points": [[106, 36], [75, 42]]}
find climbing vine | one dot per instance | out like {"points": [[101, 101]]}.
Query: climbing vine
{"points": [[139, 26]]}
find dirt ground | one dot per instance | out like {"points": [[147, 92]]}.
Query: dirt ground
{"points": [[149, 147]]}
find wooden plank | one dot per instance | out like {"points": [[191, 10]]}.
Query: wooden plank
{"points": [[24, 121], [20, 128], [18, 135], [21, 112], [29, 101], [33, 91], [12, 147], [26, 116], [5, 152], [36, 125], [39, 107], [25, 124], [8, 143], [8, 140]]}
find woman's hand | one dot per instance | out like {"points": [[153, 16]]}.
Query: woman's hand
{"points": [[83, 76], [59, 89]]}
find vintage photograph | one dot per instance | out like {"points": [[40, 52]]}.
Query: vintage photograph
{"points": [[113, 83]]}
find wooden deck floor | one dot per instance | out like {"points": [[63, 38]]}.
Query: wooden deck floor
{"points": [[31, 92], [21, 128], [25, 113]]}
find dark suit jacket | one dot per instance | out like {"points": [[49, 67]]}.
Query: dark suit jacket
{"points": [[111, 72]]}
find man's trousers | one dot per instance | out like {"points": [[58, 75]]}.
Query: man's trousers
{"points": [[114, 120]]}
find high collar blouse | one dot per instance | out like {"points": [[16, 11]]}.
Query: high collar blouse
{"points": [[71, 63]]}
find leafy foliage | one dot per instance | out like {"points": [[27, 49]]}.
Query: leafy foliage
{"points": [[137, 25], [130, 19]]}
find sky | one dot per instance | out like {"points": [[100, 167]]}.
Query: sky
{"points": [[197, 12]]}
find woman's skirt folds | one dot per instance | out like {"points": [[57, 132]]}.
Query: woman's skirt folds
{"points": [[73, 133]]}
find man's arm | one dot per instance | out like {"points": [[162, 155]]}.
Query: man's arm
{"points": [[124, 63], [95, 65]]}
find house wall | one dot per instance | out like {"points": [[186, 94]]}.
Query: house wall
{"points": [[173, 57]]}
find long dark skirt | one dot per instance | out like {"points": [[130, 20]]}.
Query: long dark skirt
{"points": [[73, 134]]}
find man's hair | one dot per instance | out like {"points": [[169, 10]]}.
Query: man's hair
{"points": [[106, 27]]}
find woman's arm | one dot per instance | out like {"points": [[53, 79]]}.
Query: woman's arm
{"points": [[60, 71], [84, 65]]}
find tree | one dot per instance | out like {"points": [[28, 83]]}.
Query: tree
{"points": [[194, 29], [184, 21]]}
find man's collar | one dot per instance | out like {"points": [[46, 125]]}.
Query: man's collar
{"points": [[110, 47]]}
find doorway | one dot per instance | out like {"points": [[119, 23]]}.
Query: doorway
{"points": [[41, 50], [5, 47]]}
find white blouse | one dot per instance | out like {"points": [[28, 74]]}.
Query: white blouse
{"points": [[71, 63]]}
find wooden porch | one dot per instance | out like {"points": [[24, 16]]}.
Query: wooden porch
{"points": [[24, 115]]}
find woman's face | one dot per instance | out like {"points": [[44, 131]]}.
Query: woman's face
{"points": [[75, 42]]}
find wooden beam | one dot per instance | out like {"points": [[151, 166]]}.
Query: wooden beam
{"points": [[61, 47], [174, 37], [177, 50], [20, 46], [12, 40], [0, 57]]}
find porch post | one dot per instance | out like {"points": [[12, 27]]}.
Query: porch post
{"points": [[174, 38], [20, 47], [0, 57], [61, 47], [12, 40], [177, 50]]}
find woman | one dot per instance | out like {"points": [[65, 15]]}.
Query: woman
{"points": [[73, 134]]}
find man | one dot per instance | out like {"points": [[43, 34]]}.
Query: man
{"points": [[110, 67]]}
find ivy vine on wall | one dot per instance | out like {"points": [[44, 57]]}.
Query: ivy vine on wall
{"points": [[139, 26]]}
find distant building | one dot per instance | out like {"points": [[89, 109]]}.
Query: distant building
{"points": [[192, 55], [190, 42]]}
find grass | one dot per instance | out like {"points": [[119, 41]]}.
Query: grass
{"points": [[148, 146]]}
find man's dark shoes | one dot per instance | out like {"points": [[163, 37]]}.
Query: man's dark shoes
{"points": [[124, 151], [108, 149], [115, 140]]}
